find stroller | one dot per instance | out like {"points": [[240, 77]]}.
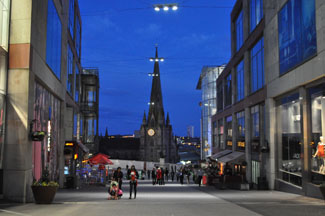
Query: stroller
{"points": [[114, 191]]}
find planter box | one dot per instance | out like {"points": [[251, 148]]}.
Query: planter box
{"points": [[44, 194]]}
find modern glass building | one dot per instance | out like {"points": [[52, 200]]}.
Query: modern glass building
{"points": [[207, 85]]}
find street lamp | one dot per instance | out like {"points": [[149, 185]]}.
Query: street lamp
{"points": [[165, 7]]}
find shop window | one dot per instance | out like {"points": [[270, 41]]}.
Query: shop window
{"points": [[220, 133], [255, 171], [317, 102], [297, 33], [240, 81], [256, 13], [229, 131], [215, 134], [239, 31], [53, 39], [289, 137]]}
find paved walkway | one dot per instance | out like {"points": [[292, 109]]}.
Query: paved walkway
{"points": [[172, 199]]}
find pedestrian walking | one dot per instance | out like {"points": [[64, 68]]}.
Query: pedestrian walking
{"points": [[159, 175], [166, 174], [199, 177], [134, 175], [118, 176], [172, 175], [162, 176], [181, 175], [154, 176], [188, 175], [148, 174]]}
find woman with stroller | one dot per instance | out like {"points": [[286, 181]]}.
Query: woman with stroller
{"points": [[133, 181]]}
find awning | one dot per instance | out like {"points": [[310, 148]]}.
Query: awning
{"points": [[83, 147], [220, 154], [100, 159], [231, 157]]}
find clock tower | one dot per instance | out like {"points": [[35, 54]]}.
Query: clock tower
{"points": [[156, 135]]}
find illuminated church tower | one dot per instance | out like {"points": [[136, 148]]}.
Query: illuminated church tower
{"points": [[156, 134]]}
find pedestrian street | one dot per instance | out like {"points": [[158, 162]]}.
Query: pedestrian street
{"points": [[171, 199]]}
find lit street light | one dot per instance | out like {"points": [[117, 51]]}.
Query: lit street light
{"points": [[165, 7]]}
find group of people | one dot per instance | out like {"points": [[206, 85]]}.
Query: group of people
{"points": [[159, 175], [115, 189]]}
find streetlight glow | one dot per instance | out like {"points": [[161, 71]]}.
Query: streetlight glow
{"points": [[157, 8], [156, 60], [174, 7], [166, 8], [162, 59]]}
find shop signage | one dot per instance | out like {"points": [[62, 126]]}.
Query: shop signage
{"points": [[241, 144], [229, 143]]}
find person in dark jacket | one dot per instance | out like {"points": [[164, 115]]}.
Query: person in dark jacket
{"points": [[148, 174], [118, 176], [154, 176], [166, 174], [134, 175]]}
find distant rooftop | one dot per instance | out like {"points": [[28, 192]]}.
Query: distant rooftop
{"points": [[90, 71]]}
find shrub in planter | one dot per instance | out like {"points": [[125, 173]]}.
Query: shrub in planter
{"points": [[44, 190]]}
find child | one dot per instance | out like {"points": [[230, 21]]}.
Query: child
{"points": [[113, 191]]}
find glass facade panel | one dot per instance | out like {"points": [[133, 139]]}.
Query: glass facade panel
{"points": [[70, 79], [228, 91], [229, 132], [71, 17], [289, 138], [317, 102], [240, 81], [220, 97], [77, 84], [255, 171], [297, 33], [220, 133], [209, 106], [239, 31], [255, 118], [78, 37], [241, 124], [256, 13], [53, 40], [257, 66]]}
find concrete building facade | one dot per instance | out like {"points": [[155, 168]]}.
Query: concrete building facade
{"points": [[295, 78], [238, 125], [43, 92]]}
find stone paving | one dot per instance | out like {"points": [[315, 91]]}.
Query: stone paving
{"points": [[171, 199]]}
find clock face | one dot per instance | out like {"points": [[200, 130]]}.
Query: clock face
{"points": [[151, 132]]}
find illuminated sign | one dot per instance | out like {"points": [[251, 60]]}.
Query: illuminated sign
{"points": [[68, 144], [229, 143], [241, 144]]}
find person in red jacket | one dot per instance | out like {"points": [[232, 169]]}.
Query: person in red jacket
{"points": [[159, 176]]}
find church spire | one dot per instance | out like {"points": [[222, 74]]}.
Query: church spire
{"points": [[167, 120], [144, 120], [156, 108]]}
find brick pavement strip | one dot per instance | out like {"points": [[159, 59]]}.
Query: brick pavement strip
{"points": [[170, 199]]}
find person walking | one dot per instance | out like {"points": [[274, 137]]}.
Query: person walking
{"points": [[159, 176], [199, 176], [181, 175], [148, 174], [172, 175], [162, 176], [134, 175], [118, 176], [154, 176], [166, 174]]}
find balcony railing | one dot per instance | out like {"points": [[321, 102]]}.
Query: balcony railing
{"points": [[89, 106], [90, 71]]}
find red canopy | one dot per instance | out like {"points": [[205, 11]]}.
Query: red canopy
{"points": [[100, 159]]}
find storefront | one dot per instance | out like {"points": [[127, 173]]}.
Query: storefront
{"points": [[46, 118], [300, 143]]}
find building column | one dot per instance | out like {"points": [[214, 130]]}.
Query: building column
{"points": [[306, 131], [270, 135], [18, 149], [248, 151]]}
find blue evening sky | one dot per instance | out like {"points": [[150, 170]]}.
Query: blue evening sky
{"points": [[118, 37]]}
